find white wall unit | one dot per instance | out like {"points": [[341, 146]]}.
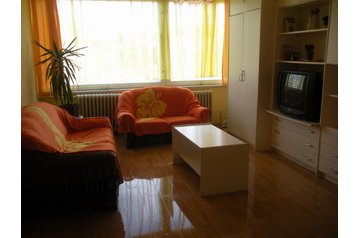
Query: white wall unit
{"points": [[302, 145], [248, 69], [313, 145], [328, 159], [332, 50]]}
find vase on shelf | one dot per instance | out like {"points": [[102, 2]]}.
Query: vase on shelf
{"points": [[310, 52], [313, 19], [325, 21]]}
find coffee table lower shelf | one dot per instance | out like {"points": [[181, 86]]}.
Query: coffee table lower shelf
{"points": [[222, 167]]}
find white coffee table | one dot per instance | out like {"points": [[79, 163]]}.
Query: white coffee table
{"points": [[221, 160]]}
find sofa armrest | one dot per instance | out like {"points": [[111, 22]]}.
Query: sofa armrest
{"points": [[203, 113], [125, 122], [125, 113]]}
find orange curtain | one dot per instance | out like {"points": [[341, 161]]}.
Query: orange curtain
{"points": [[225, 69], [46, 30]]}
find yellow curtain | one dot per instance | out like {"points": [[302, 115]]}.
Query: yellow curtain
{"points": [[192, 1], [196, 53], [46, 30], [164, 40], [225, 69], [211, 35]]}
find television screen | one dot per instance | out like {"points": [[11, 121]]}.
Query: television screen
{"points": [[295, 81], [294, 95], [299, 94]]}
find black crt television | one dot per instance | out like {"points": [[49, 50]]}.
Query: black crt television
{"points": [[299, 94]]}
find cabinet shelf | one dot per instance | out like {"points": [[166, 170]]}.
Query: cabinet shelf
{"points": [[301, 62], [277, 113], [282, 4], [332, 127], [333, 95], [303, 32]]}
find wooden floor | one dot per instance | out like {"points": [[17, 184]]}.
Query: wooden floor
{"points": [[159, 199]]}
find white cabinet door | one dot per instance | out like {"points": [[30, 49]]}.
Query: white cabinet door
{"points": [[235, 85], [241, 6], [251, 4], [236, 7], [243, 74]]}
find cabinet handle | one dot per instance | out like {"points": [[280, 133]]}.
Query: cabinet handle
{"points": [[335, 140], [242, 76]]}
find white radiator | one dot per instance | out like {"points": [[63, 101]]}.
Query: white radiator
{"points": [[98, 104], [105, 104], [204, 97]]}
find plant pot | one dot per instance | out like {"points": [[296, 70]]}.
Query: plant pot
{"points": [[73, 109]]}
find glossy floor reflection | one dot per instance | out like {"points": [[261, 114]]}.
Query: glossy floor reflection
{"points": [[148, 208], [159, 199]]}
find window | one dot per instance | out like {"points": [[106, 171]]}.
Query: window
{"points": [[143, 42]]}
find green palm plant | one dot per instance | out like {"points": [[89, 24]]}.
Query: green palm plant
{"points": [[61, 70]]}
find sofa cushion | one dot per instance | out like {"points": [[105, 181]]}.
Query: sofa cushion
{"points": [[152, 125], [150, 105], [176, 101], [102, 137]]}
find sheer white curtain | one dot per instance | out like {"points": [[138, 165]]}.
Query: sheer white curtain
{"points": [[150, 41], [122, 39], [196, 39]]}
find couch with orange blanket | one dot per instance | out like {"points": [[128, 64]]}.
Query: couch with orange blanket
{"points": [[67, 164], [154, 110]]}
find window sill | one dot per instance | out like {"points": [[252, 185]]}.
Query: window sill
{"points": [[124, 88]]}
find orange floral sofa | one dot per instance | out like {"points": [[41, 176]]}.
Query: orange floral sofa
{"points": [[154, 110], [67, 164]]}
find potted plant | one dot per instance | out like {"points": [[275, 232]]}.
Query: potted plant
{"points": [[60, 71]]}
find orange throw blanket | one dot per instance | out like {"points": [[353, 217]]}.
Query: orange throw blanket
{"points": [[48, 128]]}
